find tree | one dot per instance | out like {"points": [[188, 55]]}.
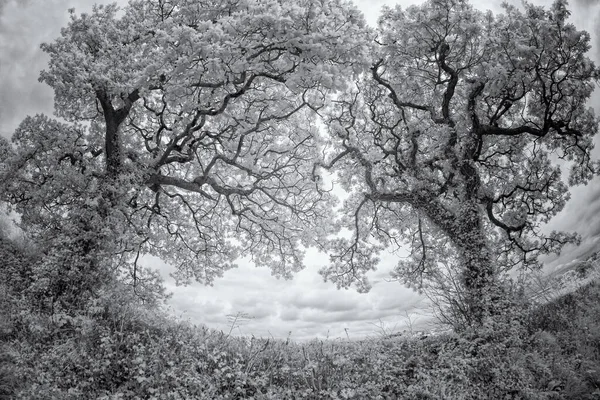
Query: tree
{"points": [[186, 136], [452, 145], [190, 135]]}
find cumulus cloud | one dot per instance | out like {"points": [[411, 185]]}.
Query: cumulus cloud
{"points": [[289, 314], [315, 301], [581, 215], [586, 14], [305, 306]]}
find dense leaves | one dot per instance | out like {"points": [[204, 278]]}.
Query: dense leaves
{"points": [[189, 134], [192, 136], [120, 349], [198, 130], [450, 144]]}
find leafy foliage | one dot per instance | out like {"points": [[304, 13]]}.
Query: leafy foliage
{"points": [[120, 349], [188, 134], [448, 144], [191, 134]]}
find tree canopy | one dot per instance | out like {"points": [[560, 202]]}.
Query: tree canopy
{"points": [[198, 130], [451, 144], [186, 130]]}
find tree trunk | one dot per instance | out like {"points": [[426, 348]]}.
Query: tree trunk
{"points": [[478, 272], [465, 230]]}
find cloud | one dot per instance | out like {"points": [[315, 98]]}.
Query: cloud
{"points": [[586, 3], [4, 3], [289, 314], [582, 215], [585, 15], [305, 306], [21, 30], [24, 25], [582, 212], [318, 301], [254, 307]]}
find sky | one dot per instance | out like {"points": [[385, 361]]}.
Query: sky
{"points": [[305, 307]]}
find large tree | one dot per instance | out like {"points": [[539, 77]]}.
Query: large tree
{"points": [[451, 145], [189, 134], [186, 134]]}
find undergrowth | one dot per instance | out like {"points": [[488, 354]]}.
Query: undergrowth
{"points": [[116, 348]]}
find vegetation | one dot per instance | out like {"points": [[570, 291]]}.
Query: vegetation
{"points": [[117, 348], [196, 131], [446, 145], [200, 130]]}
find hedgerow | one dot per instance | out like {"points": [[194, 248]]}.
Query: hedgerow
{"points": [[118, 348]]}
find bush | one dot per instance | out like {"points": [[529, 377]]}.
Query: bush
{"points": [[118, 348]]}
